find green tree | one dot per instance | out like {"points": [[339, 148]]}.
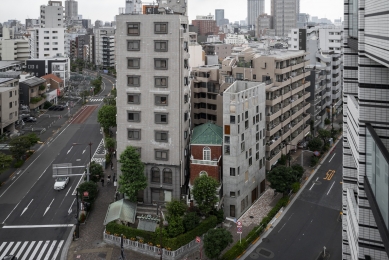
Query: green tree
{"points": [[110, 144], [91, 188], [31, 138], [18, 146], [299, 170], [281, 178], [204, 193], [191, 220], [215, 241], [132, 178], [176, 208], [96, 171], [5, 162], [175, 227], [315, 144], [324, 135], [110, 101], [107, 116], [283, 159]]}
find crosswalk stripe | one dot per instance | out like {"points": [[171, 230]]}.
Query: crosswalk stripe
{"points": [[2, 245], [43, 250], [15, 248], [36, 250], [57, 250], [21, 249], [6, 250], [28, 250], [50, 249]]}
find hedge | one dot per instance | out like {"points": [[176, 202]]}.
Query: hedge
{"points": [[151, 237], [239, 248]]}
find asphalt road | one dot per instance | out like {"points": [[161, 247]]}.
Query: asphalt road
{"points": [[312, 222], [35, 219]]}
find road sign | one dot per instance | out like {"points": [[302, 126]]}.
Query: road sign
{"points": [[239, 230], [86, 194], [198, 239], [239, 224]]}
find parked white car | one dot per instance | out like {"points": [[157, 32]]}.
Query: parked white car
{"points": [[60, 183]]}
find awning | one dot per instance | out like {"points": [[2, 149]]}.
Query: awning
{"points": [[123, 210]]}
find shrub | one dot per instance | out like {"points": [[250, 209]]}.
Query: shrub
{"points": [[191, 220], [42, 87], [46, 105], [176, 208], [295, 187], [314, 160], [219, 214], [82, 217], [175, 227], [283, 159], [18, 163], [327, 121]]}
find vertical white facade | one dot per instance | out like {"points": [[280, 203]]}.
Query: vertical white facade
{"points": [[71, 10], [285, 15], [47, 42], [254, 9], [51, 15], [104, 47], [12, 48]]}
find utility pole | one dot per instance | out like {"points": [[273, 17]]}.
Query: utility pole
{"points": [[77, 216]]}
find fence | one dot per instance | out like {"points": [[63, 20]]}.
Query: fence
{"points": [[152, 250]]}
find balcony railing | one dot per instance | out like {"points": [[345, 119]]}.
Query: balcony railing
{"points": [[204, 162]]}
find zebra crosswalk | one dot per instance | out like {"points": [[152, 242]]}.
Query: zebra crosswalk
{"points": [[95, 99], [32, 250]]}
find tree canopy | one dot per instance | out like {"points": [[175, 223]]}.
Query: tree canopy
{"points": [[204, 193], [96, 171], [281, 178], [315, 144], [215, 241], [5, 162], [110, 144], [107, 116], [132, 178], [324, 135], [176, 208]]}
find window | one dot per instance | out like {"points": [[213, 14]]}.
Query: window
{"points": [[133, 63], [133, 29], [254, 76], [250, 161], [232, 210], [242, 147], [246, 176], [232, 194], [226, 149], [55, 37], [155, 175], [161, 118], [167, 176], [232, 119], [46, 32], [46, 38], [203, 173], [246, 124], [161, 136], [55, 49], [133, 81], [185, 134], [46, 43], [160, 82], [162, 155], [161, 100], [232, 171], [161, 46], [133, 45], [160, 64], [186, 98], [54, 31], [10, 94], [133, 116], [160, 28], [134, 134], [206, 154], [133, 98]]}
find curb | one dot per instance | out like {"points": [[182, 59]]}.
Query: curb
{"points": [[65, 249]]}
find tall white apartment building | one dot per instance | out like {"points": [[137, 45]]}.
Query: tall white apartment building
{"points": [[285, 15], [365, 232], [13, 47], [236, 39], [153, 101], [52, 15], [254, 9], [243, 151], [104, 42], [71, 10], [47, 42], [331, 39]]}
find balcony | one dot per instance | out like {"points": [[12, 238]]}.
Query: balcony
{"points": [[273, 116], [282, 84], [204, 162], [272, 144], [273, 129], [282, 70], [272, 160], [317, 121], [274, 101], [298, 89], [298, 66], [295, 115]]}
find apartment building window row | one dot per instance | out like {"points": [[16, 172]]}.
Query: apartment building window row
{"points": [[161, 46], [133, 116], [162, 155], [133, 63], [161, 63], [134, 134], [133, 98], [161, 100], [161, 118], [167, 175], [133, 45], [133, 29], [161, 82], [133, 80], [161, 136]]}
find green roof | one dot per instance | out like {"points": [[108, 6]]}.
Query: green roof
{"points": [[207, 134]]}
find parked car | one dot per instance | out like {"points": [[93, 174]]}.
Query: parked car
{"points": [[60, 183], [53, 107], [60, 108], [29, 119]]}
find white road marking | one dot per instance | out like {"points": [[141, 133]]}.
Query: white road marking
{"points": [[57, 250], [2, 245], [6, 250], [83, 151], [40, 226], [332, 157], [15, 248], [21, 249], [36, 250], [330, 188], [50, 249], [43, 250], [282, 227], [68, 191], [26, 207], [69, 150], [10, 213], [71, 206], [314, 183], [290, 216], [28, 250], [47, 209], [75, 189]]}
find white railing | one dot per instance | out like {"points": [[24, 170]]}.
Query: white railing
{"points": [[151, 250], [204, 162]]}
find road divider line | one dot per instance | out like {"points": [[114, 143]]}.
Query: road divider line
{"points": [[330, 187], [69, 150], [71, 206], [281, 227], [26, 207], [47, 209], [75, 189], [40, 226], [68, 191], [314, 183], [332, 157], [10, 213]]}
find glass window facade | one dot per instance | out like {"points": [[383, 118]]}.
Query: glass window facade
{"points": [[377, 172], [353, 18]]}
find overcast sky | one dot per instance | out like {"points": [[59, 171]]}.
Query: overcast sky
{"points": [[105, 10]]}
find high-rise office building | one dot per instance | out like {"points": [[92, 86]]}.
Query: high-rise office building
{"points": [[254, 9], [285, 15], [153, 101], [71, 10], [366, 137], [219, 16], [52, 15]]}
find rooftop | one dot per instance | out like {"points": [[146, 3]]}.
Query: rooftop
{"points": [[207, 133], [53, 77], [7, 63], [3, 80], [32, 82]]}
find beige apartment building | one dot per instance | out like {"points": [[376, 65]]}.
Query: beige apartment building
{"points": [[287, 117], [9, 104]]}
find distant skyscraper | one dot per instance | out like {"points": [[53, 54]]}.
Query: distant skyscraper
{"points": [[254, 9], [219, 16], [71, 10], [285, 15]]}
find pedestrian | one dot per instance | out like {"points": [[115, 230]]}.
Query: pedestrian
{"points": [[112, 167], [114, 153], [111, 164], [102, 182], [108, 179]]}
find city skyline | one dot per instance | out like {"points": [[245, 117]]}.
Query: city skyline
{"points": [[106, 11]]}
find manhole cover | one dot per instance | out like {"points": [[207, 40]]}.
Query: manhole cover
{"points": [[264, 252]]}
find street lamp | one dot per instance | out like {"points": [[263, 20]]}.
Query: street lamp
{"points": [[90, 158]]}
